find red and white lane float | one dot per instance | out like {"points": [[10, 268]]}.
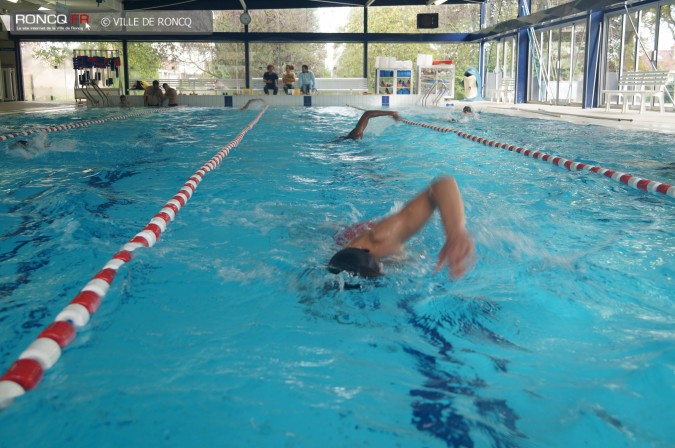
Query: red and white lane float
{"points": [[27, 371], [627, 179], [81, 124]]}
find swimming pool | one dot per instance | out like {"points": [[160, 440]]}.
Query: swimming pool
{"points": [[229, 331]]}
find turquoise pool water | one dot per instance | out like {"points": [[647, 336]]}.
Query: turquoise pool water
{"points": [[229, 332]]}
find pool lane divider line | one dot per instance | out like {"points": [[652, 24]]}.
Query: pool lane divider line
{"points": [[27, 371], [638, 183], [64, 127]]}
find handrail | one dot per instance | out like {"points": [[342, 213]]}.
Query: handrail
{"points": [[89, 96], [433, 87], [100, 92]]}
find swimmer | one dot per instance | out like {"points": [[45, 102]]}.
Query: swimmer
{"points": [[27, 149], [124, 102], [357, 132], [153, 95], [362, 254], [170, 94], [465, 111], [248, 103]]}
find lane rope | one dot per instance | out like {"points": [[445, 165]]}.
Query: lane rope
{"points": [[27, 371], [64, 127], [638, 183]]}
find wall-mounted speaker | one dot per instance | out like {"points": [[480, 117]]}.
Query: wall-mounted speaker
{"points": [[425, 21]]}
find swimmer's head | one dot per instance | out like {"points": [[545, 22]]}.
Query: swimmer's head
{"points": [[356, 262], [467, 110]]}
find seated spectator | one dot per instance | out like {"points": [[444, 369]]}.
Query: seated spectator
{"points": [[306, 80], [271, 80], [288, 79]]}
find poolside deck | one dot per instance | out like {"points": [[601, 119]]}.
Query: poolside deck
{"points": [[648, 121]]}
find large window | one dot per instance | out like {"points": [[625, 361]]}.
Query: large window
{"points": [[281, 53], [539, 5], [47, 68], [463, 56], [497, 11], [641, 39], [398, 19], [315, 20], [500, 62], [557, 65], [665, 56]]}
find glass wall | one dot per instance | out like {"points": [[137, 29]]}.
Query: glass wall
{"points": [[538, 5], [501, 57], [497, 11], [316, 20], [463, 56], [640, 39], [281, 53], [665, 54], [557, 65], [400, 19], [47, 68]]}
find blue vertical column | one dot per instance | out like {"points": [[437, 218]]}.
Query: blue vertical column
{"points": [[522, 67], [522, 72], [592, 58]]}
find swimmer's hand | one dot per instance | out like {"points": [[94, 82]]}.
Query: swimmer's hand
{"points": [[458, 253], [396, 116]]}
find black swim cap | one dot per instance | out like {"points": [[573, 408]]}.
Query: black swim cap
{"points": [[356, 262]]}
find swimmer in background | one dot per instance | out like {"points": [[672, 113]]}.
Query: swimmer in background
{"points": [[357, 132], [249, 102], [362, 254], [27, 149], [466, 111], [153, 95], [124, 102], [170, 94]]}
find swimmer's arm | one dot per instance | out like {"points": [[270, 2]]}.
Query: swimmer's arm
{"points": [[458, 250], [387, 236], [360, 128]]}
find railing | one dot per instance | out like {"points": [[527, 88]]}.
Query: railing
{"points": [[439, 88]]}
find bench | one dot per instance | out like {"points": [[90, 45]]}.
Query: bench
{"points": [[639, 84], [327, 84], [506, 90], [342, 84]]}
